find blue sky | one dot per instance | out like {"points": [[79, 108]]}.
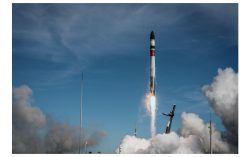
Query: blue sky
{"points": [[54, 43]]}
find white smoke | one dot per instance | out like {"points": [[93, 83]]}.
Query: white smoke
{"points": [[31, 116], [26, 120], [223, 97], [132, 144], [34, 132], [192, 124], [193, 138], [193, 135]]}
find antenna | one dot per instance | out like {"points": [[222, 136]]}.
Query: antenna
{"points": [[210, 135], [80, 141], [86, 146], [120, 149]]}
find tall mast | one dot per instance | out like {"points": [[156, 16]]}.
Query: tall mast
{"points": [[210, 134], [80, 141]]}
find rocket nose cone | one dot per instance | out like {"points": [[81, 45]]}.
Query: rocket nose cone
{"points": [[152, 35]]}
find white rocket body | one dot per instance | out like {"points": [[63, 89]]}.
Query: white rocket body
{"points": [[152, 63]]}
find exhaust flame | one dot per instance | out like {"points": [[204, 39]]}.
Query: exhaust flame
{"points": [[153, 111], [151, 108]]}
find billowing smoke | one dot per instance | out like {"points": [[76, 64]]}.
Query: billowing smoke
{"points": [[193, 135], [192, 125], [63, 138], [26, 121], [34, 132], [223, 97], [193, 138]]}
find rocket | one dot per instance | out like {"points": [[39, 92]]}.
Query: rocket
{"points": [[152, 63]]}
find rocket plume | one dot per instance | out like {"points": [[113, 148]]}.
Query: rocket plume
{"points": [[150, 104], [153, 115]]}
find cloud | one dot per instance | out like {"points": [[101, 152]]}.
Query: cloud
{"points": [[132, 144], [193, 138], [23, 111], [223, 97], [192, 124], [62, 138], [26, 120], [34, 132]]}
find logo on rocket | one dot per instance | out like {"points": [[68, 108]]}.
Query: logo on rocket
{"points": [[152, 63]]}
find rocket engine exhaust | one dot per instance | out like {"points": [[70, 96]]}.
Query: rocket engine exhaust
{"points": [[153, 115]]}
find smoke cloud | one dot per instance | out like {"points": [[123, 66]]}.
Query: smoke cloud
{"points": [[193, 135], [34, 132], [193, 138], [223, 97]]}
